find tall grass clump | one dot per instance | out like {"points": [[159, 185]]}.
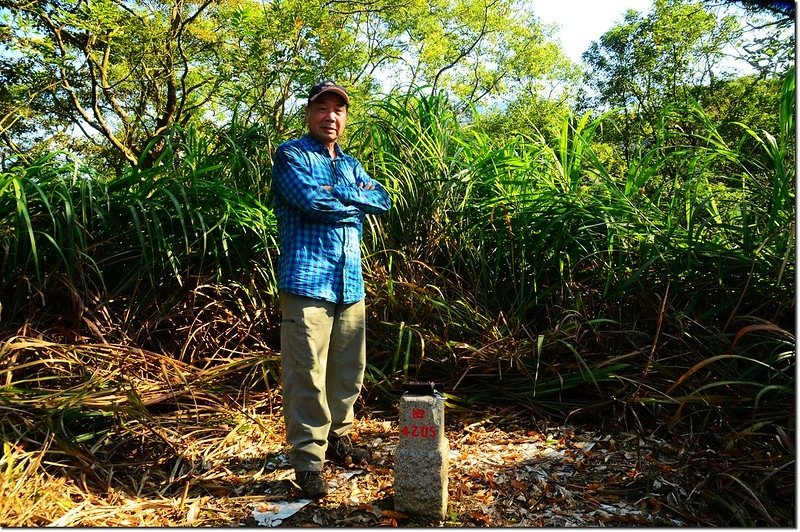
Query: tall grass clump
{"points": [[530, 254], [722, 214], [463, 266], [529, 271], [120, 256], [123, 297]]}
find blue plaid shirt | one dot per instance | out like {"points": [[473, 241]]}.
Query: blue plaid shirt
{"points": [[320, 230]]}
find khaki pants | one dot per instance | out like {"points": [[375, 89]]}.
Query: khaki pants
{"points": [[323, 356]]}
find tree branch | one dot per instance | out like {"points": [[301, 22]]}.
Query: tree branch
{"points": [[465, 53]]}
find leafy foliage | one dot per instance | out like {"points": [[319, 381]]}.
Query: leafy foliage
{"points": [[78, 247], [122, 73], [637, 262]]}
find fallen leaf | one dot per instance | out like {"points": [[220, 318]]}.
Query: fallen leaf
{"points": [[194, 511], [655, 505], [480, 516], [371, 508], [490, 479], [394, 514], [318, 518]]}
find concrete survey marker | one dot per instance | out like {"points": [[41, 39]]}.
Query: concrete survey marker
{"points": [[421, 460]]}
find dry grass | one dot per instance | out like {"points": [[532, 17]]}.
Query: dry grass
{"points": [[108, 435], [30, 495]]}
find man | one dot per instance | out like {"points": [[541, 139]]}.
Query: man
{"points": [[321, 196]]}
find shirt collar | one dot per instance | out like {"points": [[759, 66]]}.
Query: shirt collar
{"points": [[318, 146]]}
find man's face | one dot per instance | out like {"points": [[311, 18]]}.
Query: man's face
{"points": [[327, 117]]}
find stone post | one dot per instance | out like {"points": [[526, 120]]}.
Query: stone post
{"points": [[420, 484]]}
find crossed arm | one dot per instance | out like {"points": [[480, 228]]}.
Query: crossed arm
{"points": [[367, 195], [292, 178]]}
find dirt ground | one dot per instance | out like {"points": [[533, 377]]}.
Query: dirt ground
{"points": [[504, 471]]}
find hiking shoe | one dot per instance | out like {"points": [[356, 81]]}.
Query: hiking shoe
{"points": [[341, 451], [311, 484]]}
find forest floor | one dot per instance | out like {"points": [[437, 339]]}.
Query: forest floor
{"points": [[204, 453], [505, 470]]}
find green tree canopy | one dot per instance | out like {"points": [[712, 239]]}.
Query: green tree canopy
{"points": [[647, 60], [121, 72]]}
